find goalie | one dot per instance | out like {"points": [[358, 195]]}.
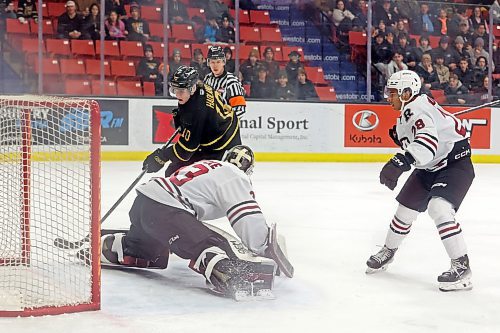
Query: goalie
{"points": [[165, 217]]}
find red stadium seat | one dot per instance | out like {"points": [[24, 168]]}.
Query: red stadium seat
{"points": [[50, 66], [47, 27], [109, 88], [111, 48], [250, 34], [129, 88], [30, 45], [288, 49], [270, 34], [316, 75], [157, 49], [56, 9], [326, 94], [93, 67], [151, 13], [434, 41], [496, 30], [357, 38], [438, 95], [157, 30], [72, 67], [244, 15], [183, 47], [183, 32], [244, 51], [131, 49], [45, 12], [260, 17], [149, 88], [58, 47], [78, 87], [82, 47], [122, 68], [13, 26]]}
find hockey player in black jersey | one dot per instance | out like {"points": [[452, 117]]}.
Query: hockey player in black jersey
{"points": [[208, 125], [434, 143]]}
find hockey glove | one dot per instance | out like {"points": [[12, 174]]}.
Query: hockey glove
{"points": [[394, 136], [393, 169], [155, 161]]}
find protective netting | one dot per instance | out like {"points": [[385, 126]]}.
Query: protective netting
{"points": [[45, 192]]}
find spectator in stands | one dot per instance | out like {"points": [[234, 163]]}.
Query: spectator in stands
{"points": [[465, 34], [386, 13], [115, 28], [26, 9], [480, 93], [340, 13], [495, 9], [382, 53], [427, 70], [293, 66], [199, 29], [226, 33], [496, 58], [480, 71], [115, 5], [481, 33], [249, 67], [407, 51], [230, 64], [272, 66], [442, 23], [478, 51], [360, 21], [396, 64], [211, 30], [460, 52], [92, 23], [177, 12], [476, 19], [381, 28], [425, 89], [83, 7], [455, 91], [305, 88], [283, 90], [400, 28], [262, 86], [423, 21], [200, 64], [148, 69], [443, 72], [444, 50], [137, 28], [70, 24], [422, 48], [455, 21], [176, 61], [215, 9], [406, 8], [464, 73], [9, 11]]}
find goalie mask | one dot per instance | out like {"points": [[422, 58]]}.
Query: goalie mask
{"points": [[241, 156], [404, 81]]}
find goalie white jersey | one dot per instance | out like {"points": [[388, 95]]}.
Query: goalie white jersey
{"points": [[428, 132], [211, 190]]}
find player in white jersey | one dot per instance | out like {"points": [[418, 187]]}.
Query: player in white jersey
{"points": [[434, 142], [166, 217]]}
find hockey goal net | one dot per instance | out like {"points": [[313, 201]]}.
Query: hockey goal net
{"points": [[49, 188]]}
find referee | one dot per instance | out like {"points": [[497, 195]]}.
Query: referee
{"points": [[227, 84]]}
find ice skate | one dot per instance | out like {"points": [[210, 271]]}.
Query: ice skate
{"points": [[379, 262], [458, 277]]}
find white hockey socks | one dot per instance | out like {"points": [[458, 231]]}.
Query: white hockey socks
{"points": [[400, 226], [443, 214]]}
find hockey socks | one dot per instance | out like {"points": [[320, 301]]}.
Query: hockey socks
{"points": [[400, 226]]}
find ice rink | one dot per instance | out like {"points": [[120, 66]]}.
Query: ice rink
{"points": [[334, 216]]}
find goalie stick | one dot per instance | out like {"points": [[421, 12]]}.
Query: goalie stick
{"points": [[73, 245]]}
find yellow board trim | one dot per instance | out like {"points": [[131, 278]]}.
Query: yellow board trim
{"points": [[294, 157]]}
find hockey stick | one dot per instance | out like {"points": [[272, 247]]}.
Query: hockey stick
{"points": [[66, 244], [477, 107]]}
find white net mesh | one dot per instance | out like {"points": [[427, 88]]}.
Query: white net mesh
{"points": [[45, 192]]}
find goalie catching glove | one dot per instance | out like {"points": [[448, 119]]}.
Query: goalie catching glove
{"points": [[155, 161], [394, 168]]}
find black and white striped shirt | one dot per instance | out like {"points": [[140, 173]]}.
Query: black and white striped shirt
{"points": [[231, 89]]}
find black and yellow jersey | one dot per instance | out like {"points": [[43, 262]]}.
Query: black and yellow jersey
{"points": [[207, 124]]}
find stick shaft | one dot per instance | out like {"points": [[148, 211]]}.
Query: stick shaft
{"points": [[476, 108]]}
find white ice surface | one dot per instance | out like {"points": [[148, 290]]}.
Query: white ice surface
{"points": [[333, 216]]}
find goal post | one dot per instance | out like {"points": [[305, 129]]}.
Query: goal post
{"points": [[49, 188]]}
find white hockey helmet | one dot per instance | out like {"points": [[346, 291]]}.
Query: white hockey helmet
{"points": [[402, 81], [241, 156]]}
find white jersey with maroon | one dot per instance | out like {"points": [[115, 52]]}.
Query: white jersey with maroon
{"points": [[211, 190], [428, 132]]}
